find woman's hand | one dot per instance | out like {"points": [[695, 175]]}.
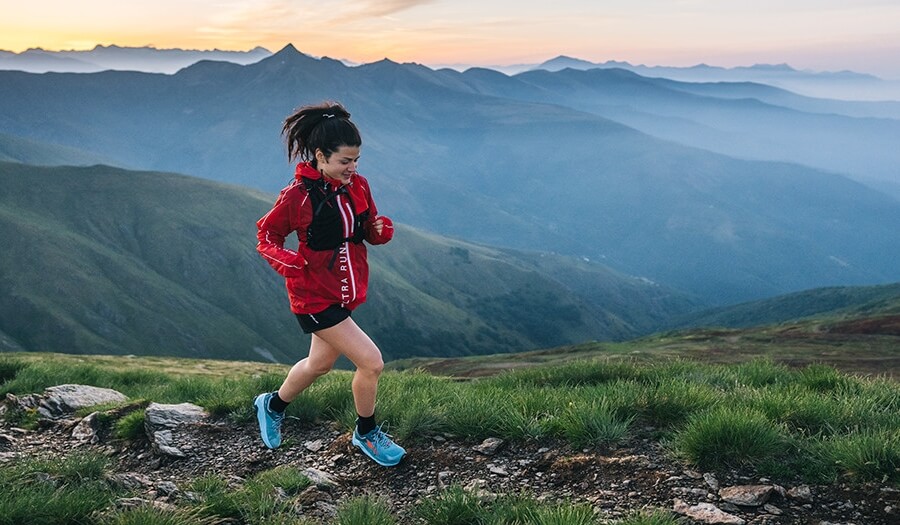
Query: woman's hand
{"points": [[378, 225]]}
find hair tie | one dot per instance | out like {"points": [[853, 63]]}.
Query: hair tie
{"points": [[328, 115]]}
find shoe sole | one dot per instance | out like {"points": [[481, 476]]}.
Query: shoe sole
{"points": [[261, 419], [362, 447]]}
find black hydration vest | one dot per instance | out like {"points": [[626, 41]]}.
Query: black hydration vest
{"points": [[326, 231]]}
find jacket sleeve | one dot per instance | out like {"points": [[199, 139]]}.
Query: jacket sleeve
{"points": [[273, 228], [387, 231]]}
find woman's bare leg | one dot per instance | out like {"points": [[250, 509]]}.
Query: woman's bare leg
{"points": [[320, 360], [348, 339]]}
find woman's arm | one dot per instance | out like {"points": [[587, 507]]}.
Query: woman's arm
{"points": [[274, 227]]}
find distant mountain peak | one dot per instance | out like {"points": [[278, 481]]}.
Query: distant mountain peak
{"points": [[772, 67], [287, 50]]}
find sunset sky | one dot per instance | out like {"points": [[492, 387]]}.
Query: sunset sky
{"points": [[862, 35]]}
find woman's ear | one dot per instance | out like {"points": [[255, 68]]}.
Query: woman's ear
{"points": [[320, 157]]}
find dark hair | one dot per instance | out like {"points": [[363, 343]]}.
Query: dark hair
{"points": [[324, 126]]}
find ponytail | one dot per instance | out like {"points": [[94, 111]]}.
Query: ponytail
{"points": [[324, 126]]}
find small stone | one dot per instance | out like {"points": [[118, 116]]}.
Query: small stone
{"points": [[311, 495], [693, 474], [711, 481], [747, 495], [801, 492], [167, 488], [130, 480], [319, 478], [444, 478], [314, 446], [489, 446], [772, 509], [497, 470], [439, 439], [706, 513]]}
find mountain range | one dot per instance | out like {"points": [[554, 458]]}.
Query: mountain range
{"points": [[102, 58], [104, 260], [840, 84], [848, 85], [545, 160]]}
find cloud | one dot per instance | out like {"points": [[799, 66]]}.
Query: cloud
{"points": [[378, 8]]}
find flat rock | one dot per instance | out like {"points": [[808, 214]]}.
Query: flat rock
{"points": [[706, 513], [747, 495], [63, 400], [159, 416], [489, 446]]}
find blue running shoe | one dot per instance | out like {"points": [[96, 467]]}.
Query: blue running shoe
{"points": [[269, 421], [379, 446]]}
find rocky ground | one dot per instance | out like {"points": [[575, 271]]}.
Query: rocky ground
{"points": [[182, 443]]}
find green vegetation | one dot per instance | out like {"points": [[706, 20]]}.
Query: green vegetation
{"points": [[456, 506], [37, 491], [364, 510], [814, 423], [256, 502]]}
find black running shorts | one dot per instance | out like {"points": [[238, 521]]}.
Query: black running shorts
{"points": [[327, 318]]}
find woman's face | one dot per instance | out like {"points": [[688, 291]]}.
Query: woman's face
{"points": [[340, 165]]}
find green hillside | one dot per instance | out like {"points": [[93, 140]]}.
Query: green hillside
{"points": [[820, 302], [855, 329], [27, 151], [103, 260]]}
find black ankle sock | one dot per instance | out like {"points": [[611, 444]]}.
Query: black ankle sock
{"points": [[364, 425], [276, 404]]}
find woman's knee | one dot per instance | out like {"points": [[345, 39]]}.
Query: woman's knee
{"points": [[373, 366], [318, 368]]}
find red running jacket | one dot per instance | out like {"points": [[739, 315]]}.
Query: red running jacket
{"points": [[311, 285]]}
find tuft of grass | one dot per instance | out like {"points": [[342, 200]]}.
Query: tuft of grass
{"points": [[10, 367], [649, 517], [455, 506], [150, 515], [364, 510], [725, 436], [562, 515], [259, 500], [671, 402], [823, 378], [592, 422], [54, 491], [131, 426], [868, 455], [761, 372]]}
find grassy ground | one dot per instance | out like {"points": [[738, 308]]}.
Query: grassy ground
{"points": [[696, 392], [851, 347]]}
